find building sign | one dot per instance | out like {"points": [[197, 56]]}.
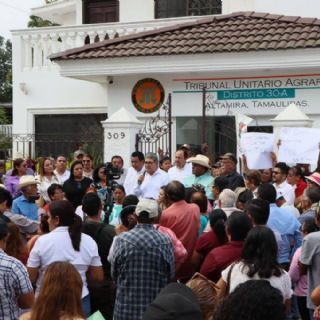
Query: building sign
{"points": [[147, 95], [251, 95]]}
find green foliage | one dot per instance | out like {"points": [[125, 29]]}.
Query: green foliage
{"points": [[37, 22], [5, 70], [3, 116]]}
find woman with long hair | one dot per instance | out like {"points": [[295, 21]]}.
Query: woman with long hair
{"points": [[65, 242], [15, 244], [76, 186], [215, 237], [258, 262], [12, 181], [60, 295], [46, 177]]}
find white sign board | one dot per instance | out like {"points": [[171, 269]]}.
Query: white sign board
{"points": [[257, 148], [299, 145]]}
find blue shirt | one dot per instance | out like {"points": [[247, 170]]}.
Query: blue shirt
{"points": [[288, 226], [142, 264], [28, 209], [206, 180]]}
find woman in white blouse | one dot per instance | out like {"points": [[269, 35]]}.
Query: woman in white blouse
{"points": [[46, 177], [258, 262], [65, 242]]}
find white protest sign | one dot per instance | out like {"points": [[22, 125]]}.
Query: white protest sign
{"points": [[299, 145], [257, 148]]}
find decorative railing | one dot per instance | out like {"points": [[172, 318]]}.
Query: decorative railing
{"points": [[34, 45], [6, 130]]}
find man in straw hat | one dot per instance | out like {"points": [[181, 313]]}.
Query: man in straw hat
{"points": [[201, 174], [25, 204]]}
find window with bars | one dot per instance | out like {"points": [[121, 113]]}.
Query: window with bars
{"points": [[180, 8]]}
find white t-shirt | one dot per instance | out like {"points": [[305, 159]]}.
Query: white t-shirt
{"points": [[180, 174], [62, 177], [131, 180], [238, 276], [57, 246], [287, 191]]}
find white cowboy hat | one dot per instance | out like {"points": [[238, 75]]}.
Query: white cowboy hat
{"points": [[27, 181], [201, 160]]}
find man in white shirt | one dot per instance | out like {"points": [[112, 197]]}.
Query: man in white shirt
{"points": [[152, 180], [182, 169], [279, 177], [134, 172], [61, 171]]}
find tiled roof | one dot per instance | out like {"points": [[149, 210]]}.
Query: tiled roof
{"points": [[242, 31]]}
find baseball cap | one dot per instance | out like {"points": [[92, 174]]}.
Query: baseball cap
{"points": [[230, 156], [148, 205], [175, 301], [78, 153]]}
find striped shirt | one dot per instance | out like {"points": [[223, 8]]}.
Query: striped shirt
{"points": [[14, 281]]}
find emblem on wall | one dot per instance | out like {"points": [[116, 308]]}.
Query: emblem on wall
{"points": [[147, 95]]}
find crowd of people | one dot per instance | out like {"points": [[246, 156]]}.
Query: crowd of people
{"points": [[183, 238]]}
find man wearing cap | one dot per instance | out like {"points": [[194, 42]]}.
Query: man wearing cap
{"points": [[229, 162], [25, 225], [142, 263], [181, 169], [78, 155], [16, 289], [201, 174], [25, 204]]}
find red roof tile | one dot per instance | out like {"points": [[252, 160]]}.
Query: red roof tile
{"points": [[242, 31]]}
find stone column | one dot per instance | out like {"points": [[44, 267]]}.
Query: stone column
{"points": [[120, 135]]}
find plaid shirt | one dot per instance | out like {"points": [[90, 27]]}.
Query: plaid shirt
{"points": [[14, 281], [142, 264]]}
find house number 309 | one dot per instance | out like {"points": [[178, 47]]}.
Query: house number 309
{"points": [[116, 135]]}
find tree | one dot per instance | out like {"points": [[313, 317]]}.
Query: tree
{"points": [[37, 22], [5, 70]]}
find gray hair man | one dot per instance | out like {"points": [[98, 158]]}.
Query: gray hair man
{"points": [[149, 183]]}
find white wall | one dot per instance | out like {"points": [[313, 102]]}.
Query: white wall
{"points": [[49, 93], [229, 6], [137, 10], [306, 8]]}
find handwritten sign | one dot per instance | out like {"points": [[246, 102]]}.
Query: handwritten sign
{"points": [[257, 148], [299, 145]]}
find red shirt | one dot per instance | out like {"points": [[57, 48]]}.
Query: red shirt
{"points": [[184, 220], [219, 258], [207, 242], [300, 186]]}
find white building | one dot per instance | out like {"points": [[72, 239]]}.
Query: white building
{"points": [[253, 64]]}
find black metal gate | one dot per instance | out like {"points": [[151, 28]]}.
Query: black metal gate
{"points": [[222, 129], [63, 134], [157, 132]]}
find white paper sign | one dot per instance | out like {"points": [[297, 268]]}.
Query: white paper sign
{"points": [[299, 145], [257, 148]]}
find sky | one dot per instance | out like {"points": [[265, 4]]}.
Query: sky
{"points": [[14, 14]]}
